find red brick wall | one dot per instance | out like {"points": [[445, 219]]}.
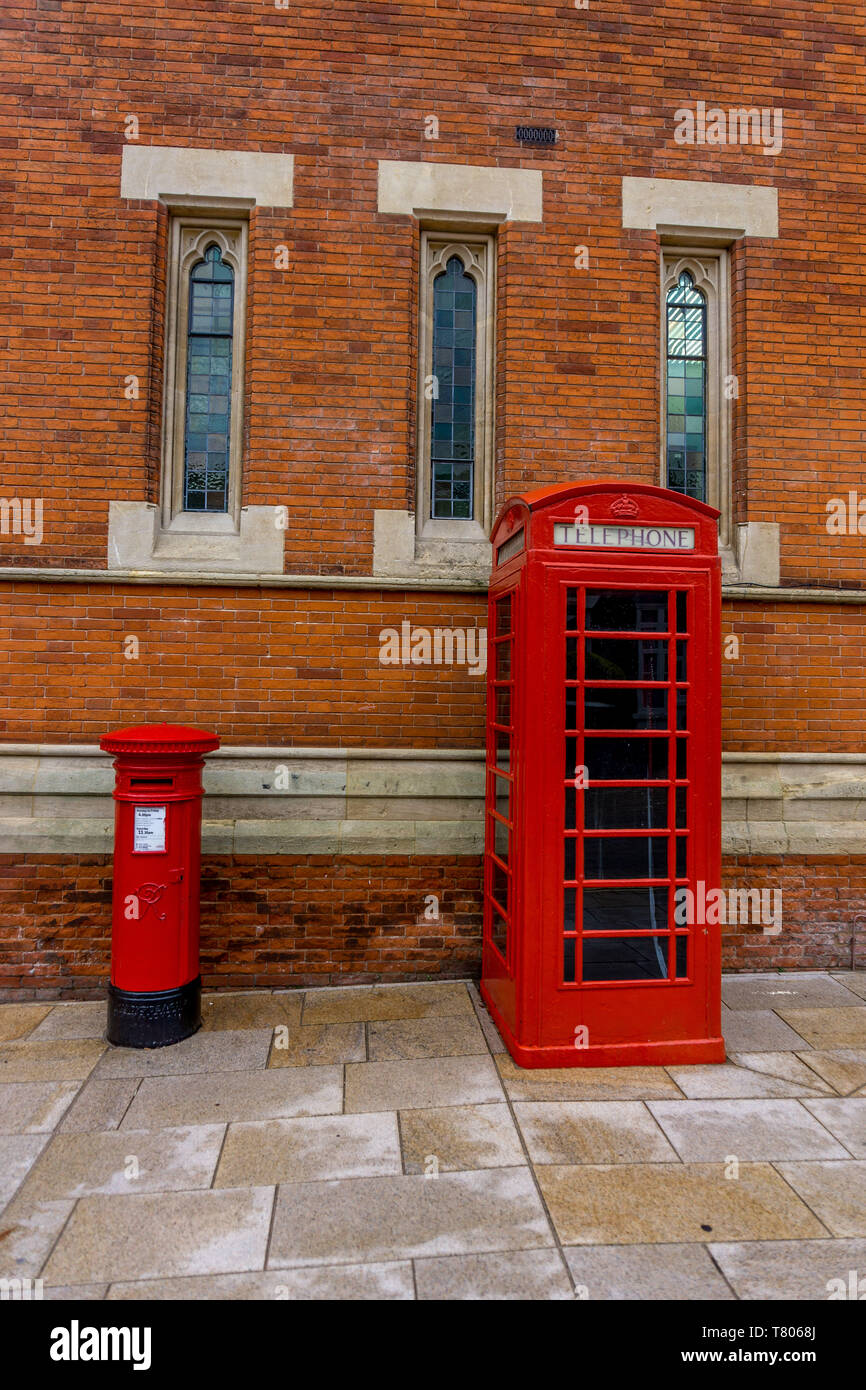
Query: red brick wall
{"points": [[316, 920], [329, 361], [297, 666]]}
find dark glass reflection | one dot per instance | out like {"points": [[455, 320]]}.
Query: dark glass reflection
{"points": [[568, 960], [682, 758], [682, 807], [625, 856], [625, 909], [682, 611], [626, 659], [682, 663], [625, 808], [682, 957], [682, 709], [682, 855], [625, 958], [571, 609], [621, 610], [609, 759], [625, 709]]}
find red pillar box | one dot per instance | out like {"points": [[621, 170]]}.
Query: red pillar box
{"points": [[154, 997], [604, 778]]}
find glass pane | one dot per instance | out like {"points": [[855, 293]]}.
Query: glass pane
{"points": [[620, 610], [682, 804], [502, 797], [499, 885], [503, 661], [625, 709], [570, 858], [625, 958], [682, 759], [686, 320], [503, 615], [503, 706], [571, 609], [625, 856], [682, 709], [625, 808], [568, 960], [452, 407], [625, 909], [682, 856], [624, 659], [500, 840], [682, 612], [682, 957], [499, 932], [208, 384], [626, 759]]}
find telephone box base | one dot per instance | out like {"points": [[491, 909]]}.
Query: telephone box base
{"points": [[155, 1018], [672, 1052]]}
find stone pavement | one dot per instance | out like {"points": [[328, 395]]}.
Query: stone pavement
{"points": [[378, 1142]]}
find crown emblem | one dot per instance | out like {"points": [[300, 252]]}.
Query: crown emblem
{"points": [[624, 506]]}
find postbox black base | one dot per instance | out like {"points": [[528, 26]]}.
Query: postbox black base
{"points": [[153, 1018]]}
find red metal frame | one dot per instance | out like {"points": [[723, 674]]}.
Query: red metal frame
{"points": [[549, 879]]}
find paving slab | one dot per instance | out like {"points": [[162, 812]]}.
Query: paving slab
{"points": [[333, 1146], [363, 1220], [346, 1283], [161, 1101], [27, 1234], [672, 1203], [784, 989], [836, 1193], [163, 1160], [634, 1273], [592, 1131], [363, 1004], [84, 1020], [829, 1028], [17, 1020], [759, 1030], [404, 1038], [515, 1275], [250, 1009], [99, 1104], [584, 1083], [75, 1293], [34, 1107], [846, 1119], [459, 1137], [425, 1082], [203, 1052], [792, 1269], [843, 1068], [713, 1131], [18, 1153], [854, 980], [156, 1235], [63, 1059], [745, 1075], [319, 1045]]}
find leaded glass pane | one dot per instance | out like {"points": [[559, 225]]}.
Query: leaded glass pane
{"points": [[208, 384], [686, 347], [452, 424]]}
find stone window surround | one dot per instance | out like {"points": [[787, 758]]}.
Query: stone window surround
{"points": [[695, 214], [709, 267], [213, 190], [478, 255], [460, 202]]}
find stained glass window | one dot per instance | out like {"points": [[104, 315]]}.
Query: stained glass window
{"points": [[208, 384], [452, 433], [687, 388]]}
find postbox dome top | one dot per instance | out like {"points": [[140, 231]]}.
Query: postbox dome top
{"points": [[159, 738]]}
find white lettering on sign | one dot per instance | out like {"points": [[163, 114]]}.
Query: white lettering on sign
{"points": [[149, 831], [616, 537]]}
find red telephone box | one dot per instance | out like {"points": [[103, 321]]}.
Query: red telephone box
{"points": [[603, 803], [154, 997]]}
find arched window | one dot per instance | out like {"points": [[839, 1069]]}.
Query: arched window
{"points": [[452, 424], [207, 430], [686, 384]]}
